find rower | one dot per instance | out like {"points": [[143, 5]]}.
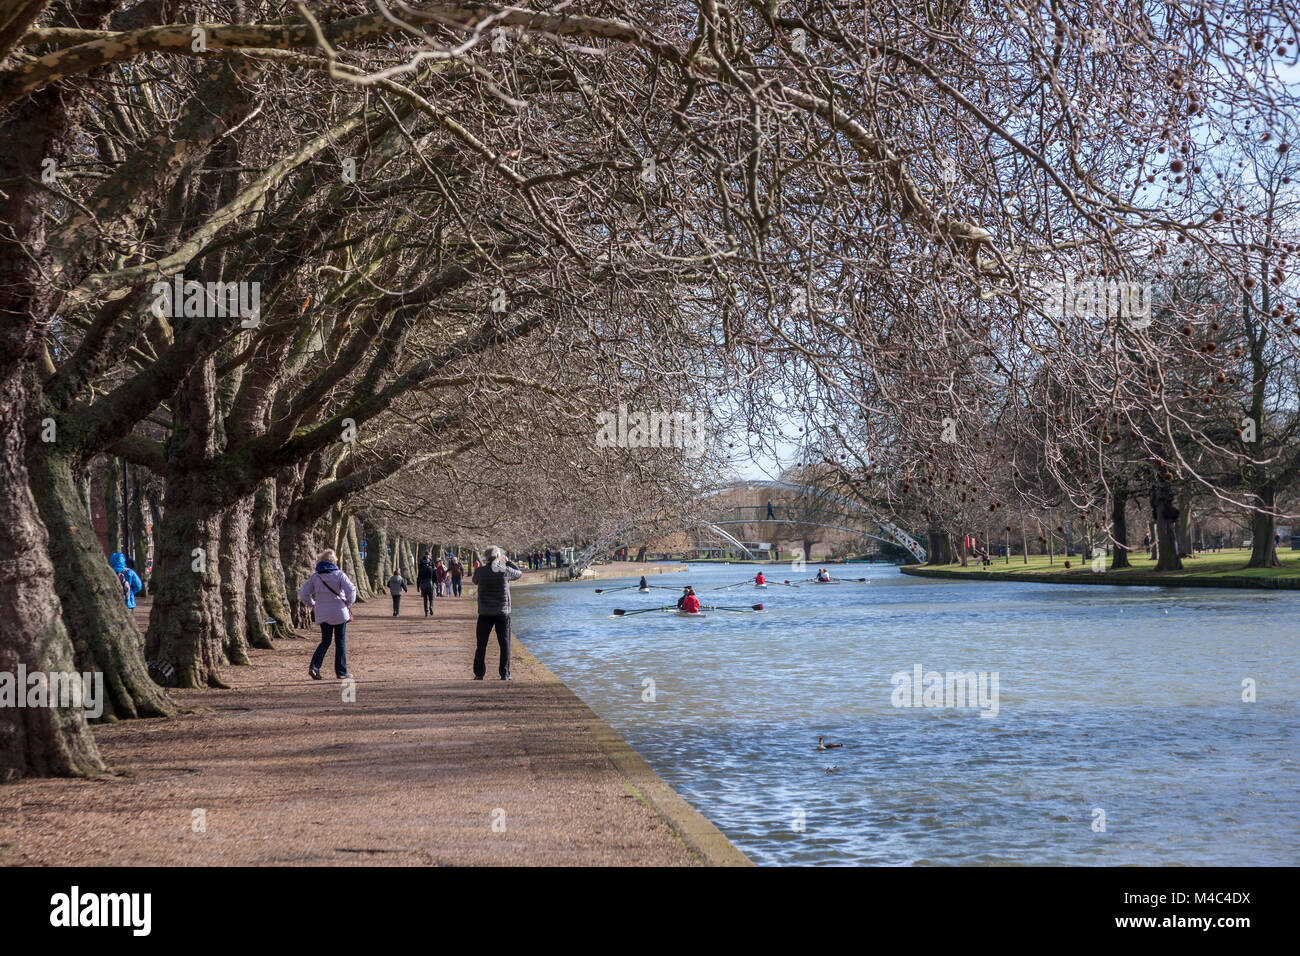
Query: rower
{"points": [[759, 579], [823, 575], [690, 603], [643, 585]]}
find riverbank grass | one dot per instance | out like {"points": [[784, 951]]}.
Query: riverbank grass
{"points": [[1228, 563]]}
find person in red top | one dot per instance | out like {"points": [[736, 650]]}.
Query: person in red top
{"points": [[759, 579], [690, 603]]}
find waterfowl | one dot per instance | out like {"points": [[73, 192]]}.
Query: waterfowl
{"points": [[822, 745]]}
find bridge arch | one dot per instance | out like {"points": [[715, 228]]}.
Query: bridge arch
{"points": [[891, 532]]}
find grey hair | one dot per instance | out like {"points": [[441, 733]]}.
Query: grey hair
{"points": [[496, 558]]}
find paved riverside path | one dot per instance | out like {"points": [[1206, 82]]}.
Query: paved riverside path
{"points": [[415, 772]]}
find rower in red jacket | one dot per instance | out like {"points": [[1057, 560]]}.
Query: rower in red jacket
{"points": [[690, 603], [759, 579]]}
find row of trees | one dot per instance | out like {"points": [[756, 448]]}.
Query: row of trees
{"points": [[419, 247]]}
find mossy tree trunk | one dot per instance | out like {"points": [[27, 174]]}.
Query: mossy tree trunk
{"points": [[186, 627], [276, 601], [376, 550], [235, 524], [104, 632], [358, 573], [33, 740]]}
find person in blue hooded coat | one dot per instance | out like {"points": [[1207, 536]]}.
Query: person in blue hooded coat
{"points": [[127, 579]]}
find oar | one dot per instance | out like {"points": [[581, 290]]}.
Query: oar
{"points": [[619, 612], [728, 587], [786, 583], [609, 590]]}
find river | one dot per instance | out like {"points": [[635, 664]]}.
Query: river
{"points": [[1120, 735]]}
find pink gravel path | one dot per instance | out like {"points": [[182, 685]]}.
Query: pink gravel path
{"points": [[415, 772]]}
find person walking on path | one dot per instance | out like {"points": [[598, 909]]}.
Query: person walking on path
{"points": [[457, 572], [493, 580], [424, 581], [396, 585], [440, 578], [330, 594], [127, 579]]}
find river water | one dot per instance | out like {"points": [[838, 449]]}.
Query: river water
{"points": [[1120, 736]]}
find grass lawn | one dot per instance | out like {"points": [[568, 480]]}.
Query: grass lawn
{"points": [[1228, 563]]}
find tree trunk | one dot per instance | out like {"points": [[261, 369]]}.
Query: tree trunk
{"points": [[298, 557], [33, 740], [1185, 526], [113, 505], [256, 631], [185, 628], [1164, 513], [1119, 531], [104, 633], [155, 522], [358, 567], [235, 525], [276, 604], [939, 546], [1263, 527], [140, 544], [376, 548]]}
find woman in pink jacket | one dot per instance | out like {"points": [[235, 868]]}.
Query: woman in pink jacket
{"points": [[331, 595]]}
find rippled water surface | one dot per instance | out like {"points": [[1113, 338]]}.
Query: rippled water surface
{"points": [[1122, 700]]}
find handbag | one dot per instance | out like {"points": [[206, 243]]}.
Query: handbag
{"points": [[346, 608]]}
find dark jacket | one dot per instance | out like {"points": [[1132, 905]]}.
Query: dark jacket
{"points": [[494, 588], [425, 578]]}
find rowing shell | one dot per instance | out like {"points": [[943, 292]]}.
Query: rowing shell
{"points": [[760, 585], [691, 614], [642, 590]]}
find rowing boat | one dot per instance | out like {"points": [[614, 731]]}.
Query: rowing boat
{"points": [[696, 614]]}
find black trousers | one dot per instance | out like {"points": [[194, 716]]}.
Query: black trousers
{"points": [[427, 593], [485, 624], [397, 600]]}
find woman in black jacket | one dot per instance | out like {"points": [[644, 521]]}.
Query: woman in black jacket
{"points": [[424, 581]]}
